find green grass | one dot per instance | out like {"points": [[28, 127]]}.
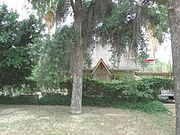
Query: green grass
{"points": [[148, 106]]}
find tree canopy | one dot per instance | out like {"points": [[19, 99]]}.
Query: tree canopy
{"points": [[117, 21], [15, 36], [120, 22], [52, 59]]}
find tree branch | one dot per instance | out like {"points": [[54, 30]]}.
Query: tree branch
{"points": [[90, 11], [73, 5], [88, 24]]}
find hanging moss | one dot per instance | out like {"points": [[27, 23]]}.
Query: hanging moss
{"points": [[50, 19]]}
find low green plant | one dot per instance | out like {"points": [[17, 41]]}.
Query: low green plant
{"points": [[157, 83], [56, 99], [129, 90], [23, 99], [129, 94]]}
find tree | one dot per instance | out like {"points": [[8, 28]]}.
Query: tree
{"points": [[15, 61], [84, 28], [174, 22], [51, 57], [117, 21]]}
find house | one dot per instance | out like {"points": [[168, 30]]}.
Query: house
{"points": [[102, 67], [102, 72]]}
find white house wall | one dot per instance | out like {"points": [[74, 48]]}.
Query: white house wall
{"points": [[104, 52]]}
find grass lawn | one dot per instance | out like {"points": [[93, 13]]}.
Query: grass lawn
{"points": [[56, 120]]}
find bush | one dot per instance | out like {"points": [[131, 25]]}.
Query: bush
{"points": [[55, 99], [156, 83], [132, 94], [66, 84], [130, 90], [145, 106], [23, 99]]}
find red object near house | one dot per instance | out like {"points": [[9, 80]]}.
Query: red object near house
{"points": [[149, 60]]}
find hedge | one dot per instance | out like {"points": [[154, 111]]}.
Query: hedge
{"points": [[130, 90], [98, 93], [24, 100], [146, 106]]}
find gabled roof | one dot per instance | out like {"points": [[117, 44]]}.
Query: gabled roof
{"points": [[105, 66]]}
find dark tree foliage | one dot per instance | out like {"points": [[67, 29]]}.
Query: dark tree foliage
{"points": [[124, 25], [15, 61], [51, 55], [143, 50], [119, 22]]}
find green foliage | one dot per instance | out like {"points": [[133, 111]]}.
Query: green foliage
{"points": [[130, 90], [142, 57], [143, 50], [156, 15], [156, 83], [114, 21], [57, 99], [127, 90], [145, 106], [15, 36], [118, 26], [52, 55], [109, 93], [24, 99], [140, 95], [61, 8]]}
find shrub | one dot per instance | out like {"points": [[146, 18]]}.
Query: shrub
{"points": [[55, 99], [156, 83], [133, 94], [145, 106], [66, 84], [130, 90], [23, 99]]}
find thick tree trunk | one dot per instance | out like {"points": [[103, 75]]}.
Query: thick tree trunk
{"points": [[76, 99], [174, 22]]}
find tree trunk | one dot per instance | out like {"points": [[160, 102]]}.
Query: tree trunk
{"points": [[76, 99], [174, 22]]}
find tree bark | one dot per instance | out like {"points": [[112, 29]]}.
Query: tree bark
{"points": [[174, 22], [76, 99]]}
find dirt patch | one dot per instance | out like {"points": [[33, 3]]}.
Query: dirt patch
{"points": [[56, 120]]}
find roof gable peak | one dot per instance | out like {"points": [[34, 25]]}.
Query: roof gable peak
{"points": [[104, 65]]}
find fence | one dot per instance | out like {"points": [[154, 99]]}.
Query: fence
{"points": [[157, 68]]}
